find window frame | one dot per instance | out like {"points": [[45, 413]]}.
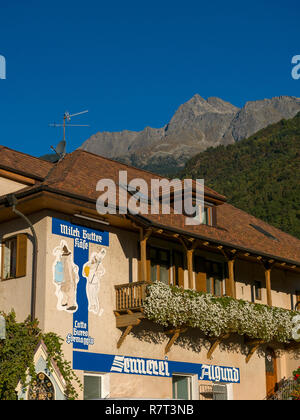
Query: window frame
{"points": [[3, 259], [210, 213], [297, 304], [20, 256], [103, 386], [256, 291], [203, 275], [158, 262], [212, 277], [178, 268], [192, 385]]}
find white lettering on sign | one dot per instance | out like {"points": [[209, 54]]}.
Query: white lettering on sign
{"points": [[93, 237], [75, 233], [79, 243], [132, 365], [70, 231], [219, 374]]}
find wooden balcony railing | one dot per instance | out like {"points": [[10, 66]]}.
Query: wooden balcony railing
{"points": [[130, 296]]}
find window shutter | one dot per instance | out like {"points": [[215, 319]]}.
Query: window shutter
{"points": [[2, 260], [139, 263], [199, 267], [178, 269], [139, 270], [181, 276], [148, 279], [21, 255], [298, 300], [201, 282], [219, 392], [214, 216]]}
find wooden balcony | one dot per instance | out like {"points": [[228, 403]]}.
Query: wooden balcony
{"points": [[130, 311], [129, 306], [130, 296]]}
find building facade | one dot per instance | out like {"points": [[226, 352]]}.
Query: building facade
{"points": [[86, 277]]}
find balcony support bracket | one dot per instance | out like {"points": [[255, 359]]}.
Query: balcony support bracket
{"points": [[127, 321], [253, 347], [175, 334], [126, 332], [215, 344]]}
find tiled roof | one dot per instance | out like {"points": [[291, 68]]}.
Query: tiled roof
{"points": [[238, 229], [79, 172], [24, 164]]}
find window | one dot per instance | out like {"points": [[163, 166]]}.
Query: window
{"points": [[219, 392], [209, 276], [178, 269], [256, 291], [14, 257], [216, 392], [9, 258], [159, 265], [207, 213], [214, 279], [95, 386], [207, 216], [185, 387], [297, 305], [41, 389]]}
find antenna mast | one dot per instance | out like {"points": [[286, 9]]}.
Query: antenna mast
{"points": [[61, 147]]}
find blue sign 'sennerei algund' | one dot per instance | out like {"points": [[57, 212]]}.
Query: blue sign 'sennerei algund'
{"points": [[96, 362]]}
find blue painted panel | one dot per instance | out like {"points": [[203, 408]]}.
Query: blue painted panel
{"points": [[82, 235], [104, 363]]}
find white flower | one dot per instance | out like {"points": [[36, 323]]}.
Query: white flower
{"points": [[214, 316]]}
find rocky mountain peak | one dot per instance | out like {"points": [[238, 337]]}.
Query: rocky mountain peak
{"points": [[196, 125]]}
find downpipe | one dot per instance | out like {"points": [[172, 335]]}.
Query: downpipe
{"points": [[12, 202]]}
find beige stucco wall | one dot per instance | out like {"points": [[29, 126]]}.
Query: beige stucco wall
{"points": [[16, 293], [8, 186], [284, 283], [146, 340]]}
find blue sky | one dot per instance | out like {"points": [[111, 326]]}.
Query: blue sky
{"points": [[133, 63]]}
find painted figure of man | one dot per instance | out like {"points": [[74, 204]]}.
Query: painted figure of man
{"points": [[93, 270], [66, 278]]}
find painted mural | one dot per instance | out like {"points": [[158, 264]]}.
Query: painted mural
{"points": [[93, 271], [77, 275], [66, 278]]}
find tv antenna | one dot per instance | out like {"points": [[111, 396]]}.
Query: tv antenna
{"points": [[60, 149]]}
